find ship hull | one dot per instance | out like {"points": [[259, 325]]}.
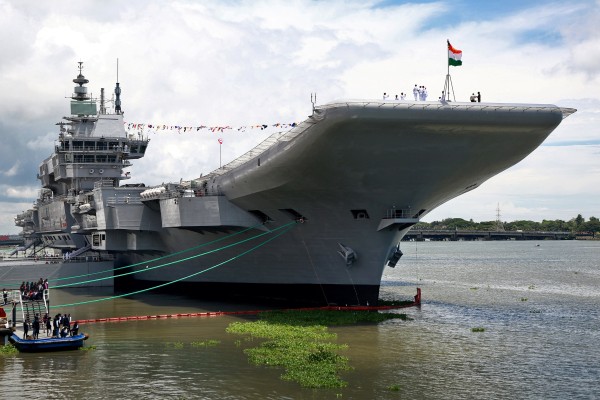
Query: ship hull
{"points": [[354, 176]]}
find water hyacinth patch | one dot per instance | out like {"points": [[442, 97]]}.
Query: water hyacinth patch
{"points": [[8, 350], [299, 342], [303, 351]]}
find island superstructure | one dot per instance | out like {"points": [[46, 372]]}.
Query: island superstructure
{"points": [[312, 214]]}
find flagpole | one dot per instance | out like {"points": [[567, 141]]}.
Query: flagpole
{"points": [[448, 84], [220, 144], [447, 61]]}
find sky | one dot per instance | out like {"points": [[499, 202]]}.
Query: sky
{"points": [[240, 63]]}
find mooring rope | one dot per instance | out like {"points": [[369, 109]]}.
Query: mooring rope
{"points": [[152, 260], [179, 279], [173, 262]]}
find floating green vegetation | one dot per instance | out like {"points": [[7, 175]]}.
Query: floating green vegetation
{"points": [[88, 348], [523, 298], [8, 350], [531, 287], [174, 345], [206, 343], [305, 352], [394, 388], [474, 288], [478, 329], [299, 341], [327, 317]]}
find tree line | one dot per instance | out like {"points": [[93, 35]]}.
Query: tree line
{"points": [[577, 224]]}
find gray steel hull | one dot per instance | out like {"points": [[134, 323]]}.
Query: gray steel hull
{"points": [[370, 158]]}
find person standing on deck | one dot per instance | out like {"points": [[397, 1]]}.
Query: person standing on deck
{"points": [[25, 328], [75, 329], [56, 325], [47, 324], [36, 327]]}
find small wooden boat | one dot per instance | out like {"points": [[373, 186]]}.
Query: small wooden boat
{"points": [[48, 344]]}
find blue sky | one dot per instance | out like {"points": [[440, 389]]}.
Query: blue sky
{"points": [[245, 62]]}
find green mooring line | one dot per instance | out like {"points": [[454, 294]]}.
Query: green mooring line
{"points": [[176, 280], [173, 262], [158, 258], [112, 270]]}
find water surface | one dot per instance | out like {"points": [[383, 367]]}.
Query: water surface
{"points": [[538, 302]]}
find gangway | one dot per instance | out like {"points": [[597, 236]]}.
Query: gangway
{"points": [[23, 248], [25, 310], [80, 251]]}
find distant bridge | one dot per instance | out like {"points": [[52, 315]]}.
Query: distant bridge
{"points": [[11, 240], [452, 235]]}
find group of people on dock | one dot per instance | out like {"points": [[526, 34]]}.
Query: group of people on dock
{"points": [[33, 290], [60, 326]]}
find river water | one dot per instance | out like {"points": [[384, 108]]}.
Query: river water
{"points": [[538, 302]]}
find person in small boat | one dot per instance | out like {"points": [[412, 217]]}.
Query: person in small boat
{"points": [[75, 329], [56, 325], [36, 327], [47, 321], [64, 332], [25, 328]]}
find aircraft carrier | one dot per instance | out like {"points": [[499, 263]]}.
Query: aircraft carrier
{"points": [[314, 214]]}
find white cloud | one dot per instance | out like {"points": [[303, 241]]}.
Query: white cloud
{"points": [[247, 62], [12, 171], [19, 192]]}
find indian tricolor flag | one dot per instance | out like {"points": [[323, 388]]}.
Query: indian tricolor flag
{"points": [[454, 56]]}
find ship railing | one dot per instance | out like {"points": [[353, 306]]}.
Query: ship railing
{"points": [[282, 136], [424, 105], [124, 200], [103, 183], [198, 192], [52, 259], [90, 257], [259, 149], [394, 213]]}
